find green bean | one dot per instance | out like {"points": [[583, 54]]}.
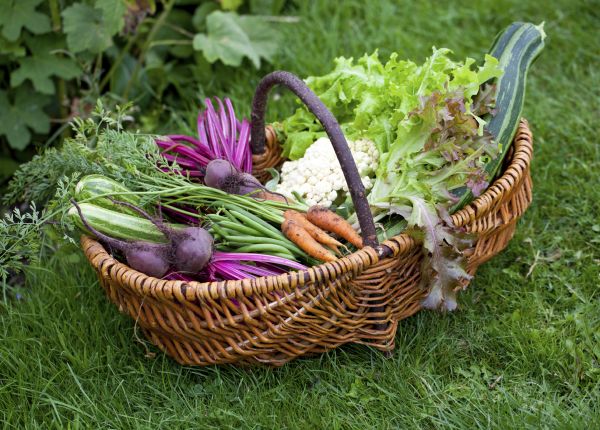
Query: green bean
{"points": [[260, 225], [218, 230], [215, 217], [260, 221], [278, 254], [229, 216], [286, 255], [236, 226], [268, 229], [266, 248], [254, 231], [250, 240]]}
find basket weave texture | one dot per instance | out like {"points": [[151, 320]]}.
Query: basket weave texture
{"points": [[356, 299]]}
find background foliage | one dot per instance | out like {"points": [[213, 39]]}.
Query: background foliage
{"points": [[58, 56], [522, 352]]}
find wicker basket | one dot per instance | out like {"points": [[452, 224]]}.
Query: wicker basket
{"points": [[357, 299]]}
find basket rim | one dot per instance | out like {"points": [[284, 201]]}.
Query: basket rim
{"points": [[401, 244]]}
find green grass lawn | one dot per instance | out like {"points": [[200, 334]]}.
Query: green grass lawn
{"points": [[522, 352]]}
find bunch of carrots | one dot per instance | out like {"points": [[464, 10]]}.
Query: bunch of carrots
{"points": [[308, 231]]}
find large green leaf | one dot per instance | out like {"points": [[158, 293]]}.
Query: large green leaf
{"points": [[200, 14], [44, 63], [264, 39], [113, 13], [27, 112], [16, 14], [87, 28], [230, 38], [8, 47]]}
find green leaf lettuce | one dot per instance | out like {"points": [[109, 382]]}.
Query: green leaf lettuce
{"points": [[427, 124]]}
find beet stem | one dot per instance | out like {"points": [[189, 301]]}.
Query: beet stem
{"points": [[158, 223]]}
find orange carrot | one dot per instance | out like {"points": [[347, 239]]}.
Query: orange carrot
{"points": [[316, 233], [332, 222], [304, 240]]}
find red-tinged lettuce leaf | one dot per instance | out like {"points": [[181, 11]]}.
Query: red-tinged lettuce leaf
{"points": [[444, 274], [477, 182], [444, 265], [440, 151], [484, 101], [443, 150]]}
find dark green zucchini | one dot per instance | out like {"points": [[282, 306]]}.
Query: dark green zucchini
{"points": [[515, 48]]}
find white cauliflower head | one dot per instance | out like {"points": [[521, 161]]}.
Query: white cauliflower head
{"points": [[318, 178]]}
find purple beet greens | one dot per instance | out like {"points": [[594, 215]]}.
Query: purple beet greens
{"points": [[237, 265], [220, 136]]}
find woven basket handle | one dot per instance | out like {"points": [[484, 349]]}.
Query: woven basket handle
{"points": [[333, 130]]}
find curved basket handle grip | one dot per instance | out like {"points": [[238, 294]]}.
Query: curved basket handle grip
{"points": [[333, 130]]}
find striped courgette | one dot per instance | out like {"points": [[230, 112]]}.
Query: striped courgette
{"points": [[515, 48], [117, 225], [98, 189]]}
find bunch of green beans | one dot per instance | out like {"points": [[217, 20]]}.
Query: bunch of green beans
{"points": [[175, 190], [238, 230]]}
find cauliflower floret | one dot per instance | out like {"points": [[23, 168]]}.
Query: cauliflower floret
{"points": [[367, 182], [318, 178]]}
